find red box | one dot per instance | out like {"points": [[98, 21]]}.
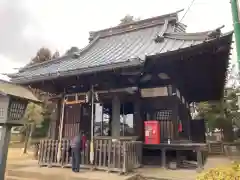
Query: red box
{"points": [[152, 132]]}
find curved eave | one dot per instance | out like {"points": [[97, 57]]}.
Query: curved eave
{"points": [[225, 37], [76, 72], [200, 36], [124, 63], [200, 70]]}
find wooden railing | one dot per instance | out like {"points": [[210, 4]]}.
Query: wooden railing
{"points": [[222, 148], [215, 148], [111, 155], [232, 150], [122, 155]]}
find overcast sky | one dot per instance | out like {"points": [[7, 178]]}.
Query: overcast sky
{"points": [[28, 25]]}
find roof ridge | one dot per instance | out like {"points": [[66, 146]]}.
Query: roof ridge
{"points": [[96, 35], [136, 25], [43, 63], [194, 36], [60, 58], [130, 29]]}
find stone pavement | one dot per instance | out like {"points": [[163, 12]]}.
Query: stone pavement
{"points": [[29, 170]]}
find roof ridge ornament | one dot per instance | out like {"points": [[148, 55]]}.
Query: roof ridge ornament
{"points": [[76, 55], [144, 23], [215, 33], [180, 27], [160, 37]]}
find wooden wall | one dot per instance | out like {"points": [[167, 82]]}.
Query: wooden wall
{"points": [[78, 117]]}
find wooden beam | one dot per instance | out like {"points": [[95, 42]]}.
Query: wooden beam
{"points": [[75, 102], [128, 89]]}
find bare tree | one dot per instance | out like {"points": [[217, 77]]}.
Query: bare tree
{"points": [[72, 50], [56, 55], [43, 54]]}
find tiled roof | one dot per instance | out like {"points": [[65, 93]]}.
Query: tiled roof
{"points": [[7, 88], [124, 45]]}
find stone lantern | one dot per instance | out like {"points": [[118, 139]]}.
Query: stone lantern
{"points": [[13, 103]]}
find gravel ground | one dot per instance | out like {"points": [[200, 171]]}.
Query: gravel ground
{"points": [[23, 166]]}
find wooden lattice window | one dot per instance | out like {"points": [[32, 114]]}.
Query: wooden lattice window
{"points": [[163, 115], [16, 110], [166, 125]]}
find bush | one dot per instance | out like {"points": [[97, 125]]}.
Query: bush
{"points": [[224, 173]]}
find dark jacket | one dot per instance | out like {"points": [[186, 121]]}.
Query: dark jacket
{"points": [[76, 142]]}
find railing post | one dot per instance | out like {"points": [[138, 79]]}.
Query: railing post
{"points": [[48, 148], [51, 143], [40, 153], [124, 157], [199, 160], [109, 153], [56, 143]]}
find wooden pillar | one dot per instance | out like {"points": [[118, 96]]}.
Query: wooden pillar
{"points": [[59, 105], [116, 117], [178, 157], [85, 120], [138, 121], [175, 112], [175, 119], [163, 158], [61, 120], [189, 124], [199, 160], [61, 124]]}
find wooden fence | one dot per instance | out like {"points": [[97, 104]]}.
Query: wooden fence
{"points": [[121, 155], [215, 148], [221, 148]]}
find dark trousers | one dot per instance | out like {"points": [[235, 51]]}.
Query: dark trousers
{"points": [[76, 159]]}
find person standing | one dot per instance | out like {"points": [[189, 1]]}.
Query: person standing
{"points": [[76, 148]]}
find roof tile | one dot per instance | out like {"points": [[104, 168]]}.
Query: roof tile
{"points": [[117, 45], [8, 88]]}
